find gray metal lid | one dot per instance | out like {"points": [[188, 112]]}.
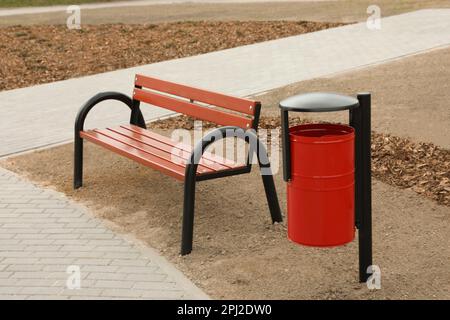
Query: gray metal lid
{"points": [[319, 102]]}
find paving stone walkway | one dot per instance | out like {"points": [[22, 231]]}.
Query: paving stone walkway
{"points": [[43, 236]]}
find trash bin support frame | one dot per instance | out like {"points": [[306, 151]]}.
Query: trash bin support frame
{"points": [[360, 120]]}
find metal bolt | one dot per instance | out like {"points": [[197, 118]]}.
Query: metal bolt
{"points": [[251, 107]]}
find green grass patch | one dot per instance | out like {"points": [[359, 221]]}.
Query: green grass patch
{"points": [[37, 3]]}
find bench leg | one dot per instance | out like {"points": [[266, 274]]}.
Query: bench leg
{"points": [[78, 162], [272, 198], [188, 215], [269, 184]]}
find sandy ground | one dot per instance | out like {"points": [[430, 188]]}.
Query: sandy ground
{"points": [[410, 96], [336, 11], [237, 252]]}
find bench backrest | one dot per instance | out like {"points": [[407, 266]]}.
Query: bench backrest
{"points": [[214, 107]]}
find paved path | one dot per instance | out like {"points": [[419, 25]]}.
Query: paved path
{"points": [[121, 4], [42, 233], [45, 113]]}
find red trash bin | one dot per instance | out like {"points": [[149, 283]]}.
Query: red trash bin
{"points": [[320, 194]]}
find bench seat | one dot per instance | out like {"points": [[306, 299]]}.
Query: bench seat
{"points": [[155, 150]]}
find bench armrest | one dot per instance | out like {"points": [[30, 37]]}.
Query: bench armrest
{"points": [[249, 136], [136, 115]]}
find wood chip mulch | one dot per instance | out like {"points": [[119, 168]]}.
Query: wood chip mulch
{"points": [[41, 54], [422, 167]]}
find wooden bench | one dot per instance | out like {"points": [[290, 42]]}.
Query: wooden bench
{"points": [[238, 118]]}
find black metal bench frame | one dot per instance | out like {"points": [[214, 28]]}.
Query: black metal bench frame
{"points": [[191, 175]]}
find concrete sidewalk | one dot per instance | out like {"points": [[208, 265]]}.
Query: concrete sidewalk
{"points": [[42, 233], [44, 115]]}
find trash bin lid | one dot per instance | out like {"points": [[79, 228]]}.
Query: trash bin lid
{"points": [[319, 102]]}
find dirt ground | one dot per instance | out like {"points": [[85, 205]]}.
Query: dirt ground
{"points": [[337, 11], [237, 253], [40, 54], [410, 97]]}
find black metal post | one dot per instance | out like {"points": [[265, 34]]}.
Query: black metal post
{"points": [[187, 232], [355, 122], [269, 184], [364, 184], [78, 161], [272, 198], [286, 145], [136, 115]]}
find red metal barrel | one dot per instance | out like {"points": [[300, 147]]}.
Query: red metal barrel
{"points": [[320, 195]]}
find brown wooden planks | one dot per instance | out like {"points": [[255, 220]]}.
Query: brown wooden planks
{"points": [[217, 99], [154, 150], [142, 157], [139, 142], [191, 109], [170, 147], [206, 155]]}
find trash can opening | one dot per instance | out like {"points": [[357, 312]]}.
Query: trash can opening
{"points": [[318, 132]]}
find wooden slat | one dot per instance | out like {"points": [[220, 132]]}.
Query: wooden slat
{"points": [[169, 146], [151, 150], [206, 155], [157, 148], [191, 109], [217, 99], [144, 158]]}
